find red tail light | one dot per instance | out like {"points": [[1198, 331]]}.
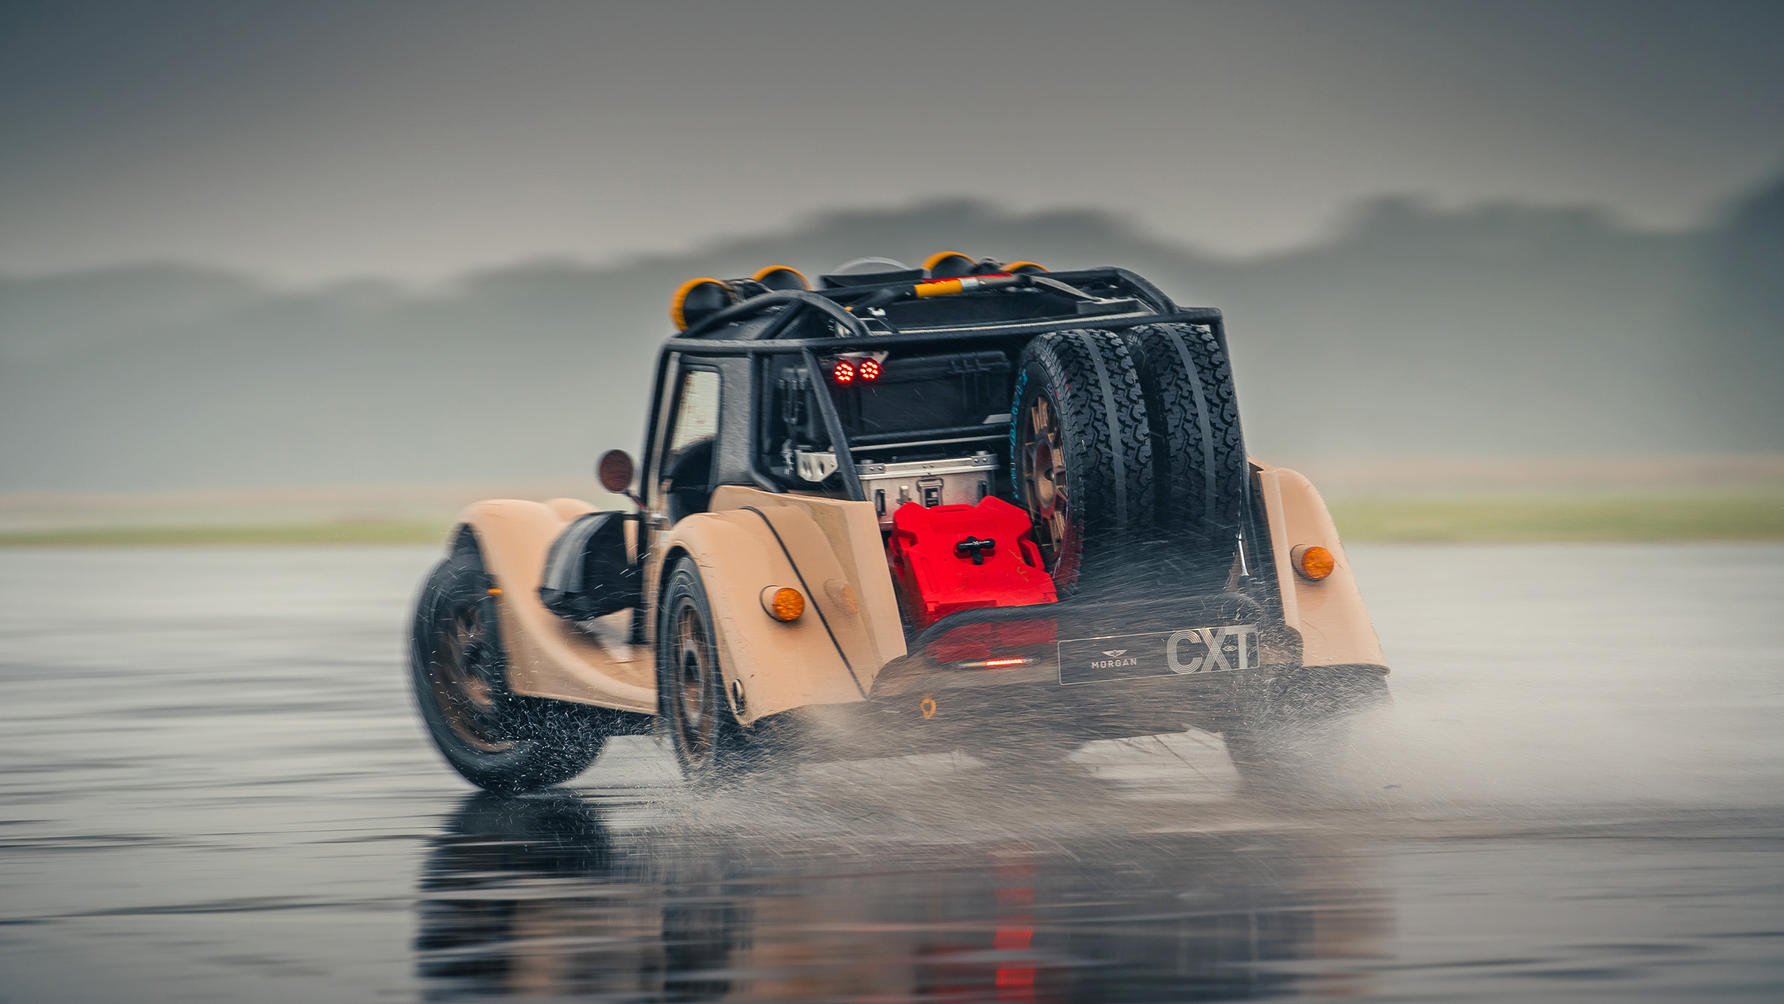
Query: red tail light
{"points": [[1003, 662], [843, 371], [870, 370]]}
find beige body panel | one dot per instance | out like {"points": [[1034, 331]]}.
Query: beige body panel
{"points": [[1329, 615], [832, 552], [828, 549], [838, 548], [548, 657]]}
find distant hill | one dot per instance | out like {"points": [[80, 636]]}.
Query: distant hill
{"points": [[1500, 330]]}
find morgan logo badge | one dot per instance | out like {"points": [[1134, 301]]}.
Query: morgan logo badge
{"points": [[1197, 651]]}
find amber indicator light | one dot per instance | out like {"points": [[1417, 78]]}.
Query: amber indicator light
{"points": [[1313, 562], [784, 603]]}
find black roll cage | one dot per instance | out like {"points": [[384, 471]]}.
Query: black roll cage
{"points": [[729, 333]]}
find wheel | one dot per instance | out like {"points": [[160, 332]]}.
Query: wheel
{"points": [[498, 740], [1198, 451], [709, 743], [1081, 454], [1294, 741]]}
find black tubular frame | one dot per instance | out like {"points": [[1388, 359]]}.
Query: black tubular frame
{"points": [[839, 441], [789, 306], [727, 333]]}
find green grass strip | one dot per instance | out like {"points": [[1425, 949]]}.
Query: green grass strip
{"points": [[1755, 517], [1486, 520], [321, 533]]}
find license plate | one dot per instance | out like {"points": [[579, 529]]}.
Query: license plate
{"points": [[1187, 652]]}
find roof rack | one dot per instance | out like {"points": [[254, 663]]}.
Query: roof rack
{"points": [[858, 310]]}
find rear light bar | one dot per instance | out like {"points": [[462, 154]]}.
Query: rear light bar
{"points": [[1006, 662]]}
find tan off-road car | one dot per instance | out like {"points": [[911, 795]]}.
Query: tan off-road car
{"points": [[972, 505]]}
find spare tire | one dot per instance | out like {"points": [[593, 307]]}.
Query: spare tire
{"points": [[1200, 472], [1081, 454]]}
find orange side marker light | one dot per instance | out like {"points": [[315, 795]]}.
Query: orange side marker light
{"points": [[783, 603], [1313, 562]]}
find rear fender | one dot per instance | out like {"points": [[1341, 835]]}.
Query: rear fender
{"points": [[1329, 615], [777, 666]]}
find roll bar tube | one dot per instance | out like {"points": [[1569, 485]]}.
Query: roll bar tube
{"points": [[845, 460], [794, 302]]}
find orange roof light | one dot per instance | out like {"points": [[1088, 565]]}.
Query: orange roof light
{"points": [[783, 603], [781, 277], [698, 299], [1312, 562], [947, 265]]}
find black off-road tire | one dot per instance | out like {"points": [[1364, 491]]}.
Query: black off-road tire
{"points": [[1200, 471], [498, 740], [1101, 454], [710, 745]]}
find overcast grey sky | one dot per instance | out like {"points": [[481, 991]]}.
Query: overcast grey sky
{"points": [[314, 140]]}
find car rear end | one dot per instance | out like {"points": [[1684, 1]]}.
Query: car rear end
{"points": [[1078, 543]]}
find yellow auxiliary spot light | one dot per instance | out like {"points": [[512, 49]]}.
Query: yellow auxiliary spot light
{"points": [[783, 603], [947, 265], [1024, 268], [781, 277], [1312, 562], [698, 299]]}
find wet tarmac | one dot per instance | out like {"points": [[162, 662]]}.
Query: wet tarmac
{"points": [[212, 787]]}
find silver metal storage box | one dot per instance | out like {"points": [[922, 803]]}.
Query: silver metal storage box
{"points": [[949, 481]]}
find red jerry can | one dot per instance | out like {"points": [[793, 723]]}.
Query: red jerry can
{"points": [[948, 558]]}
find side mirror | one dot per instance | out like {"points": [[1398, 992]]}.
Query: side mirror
{"points": [[615, 471]]}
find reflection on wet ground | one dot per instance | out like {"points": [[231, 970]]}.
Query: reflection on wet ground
{"points": [[213, 788], [691, 914]]}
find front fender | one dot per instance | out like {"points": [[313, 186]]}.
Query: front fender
{"points": [[548, 657], [777, 666]]}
